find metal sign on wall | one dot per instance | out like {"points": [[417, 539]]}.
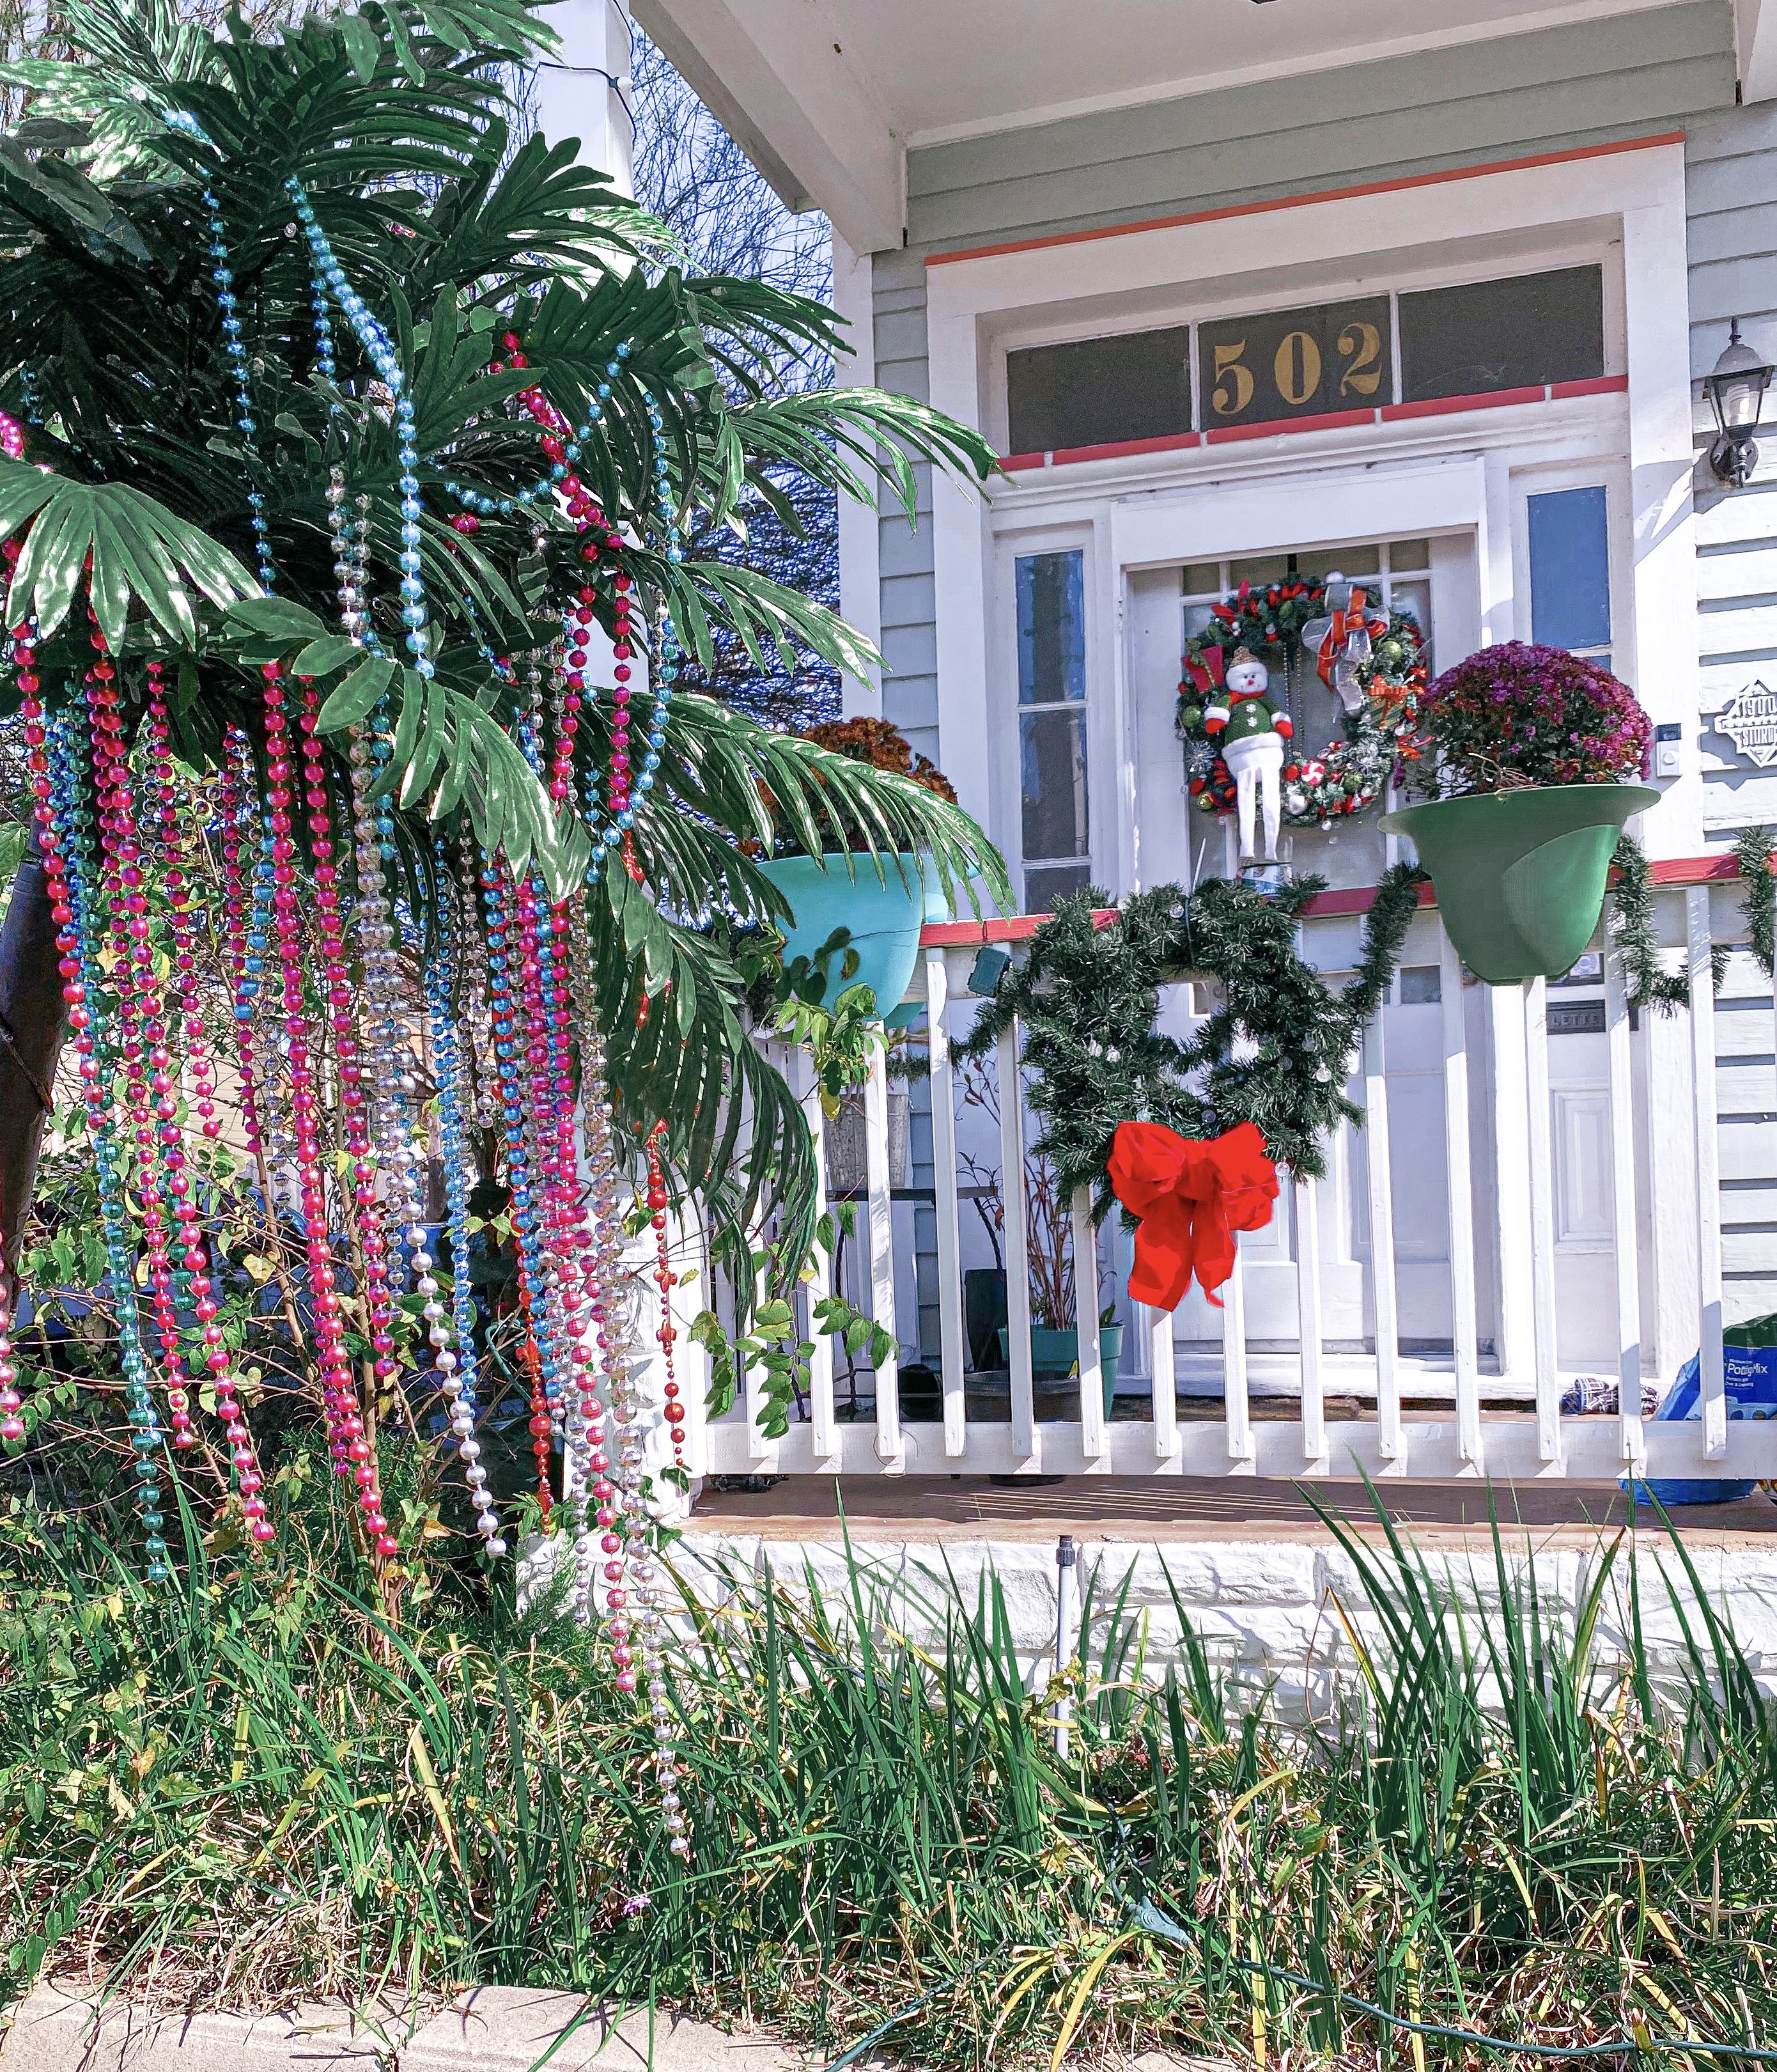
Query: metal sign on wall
{"points": [[1750, 721]]}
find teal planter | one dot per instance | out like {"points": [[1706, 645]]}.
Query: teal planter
{"points": [[1058, 1352], [884, 916]]}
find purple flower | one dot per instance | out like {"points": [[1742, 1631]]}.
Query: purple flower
{"points": [[1540, 713], [638, 1902]]}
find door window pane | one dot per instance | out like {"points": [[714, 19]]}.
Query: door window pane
{"points": [[1051, 634], [1052, 756], [1047, 885], [1570, 568]]}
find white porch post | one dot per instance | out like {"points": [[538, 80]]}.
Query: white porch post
{"points": [[586, 91]]}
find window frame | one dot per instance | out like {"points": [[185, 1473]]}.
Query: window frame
{"points": [[1005, 773], [1540, 478]]}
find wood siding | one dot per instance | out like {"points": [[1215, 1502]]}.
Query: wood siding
{"points": [[1555, 90]]}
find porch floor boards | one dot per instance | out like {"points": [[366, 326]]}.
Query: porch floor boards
{"points": [[1198, 1508]]}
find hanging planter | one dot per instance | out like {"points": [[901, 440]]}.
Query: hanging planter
{"points": [[1536, 744], [884, 916], [1520, 876], [884, 901]]}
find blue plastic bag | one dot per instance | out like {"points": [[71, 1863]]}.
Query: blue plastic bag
{"points": [[1750, 1374]]}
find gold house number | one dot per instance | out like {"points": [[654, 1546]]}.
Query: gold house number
{"points": [[1297, 361]]}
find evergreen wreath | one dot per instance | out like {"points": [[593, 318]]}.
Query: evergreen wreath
{"points": [[1276, 1050], [1352, 773]]}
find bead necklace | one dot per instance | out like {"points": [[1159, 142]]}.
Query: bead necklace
{"points": [[383, 356], [664, 1279], [142, 1038], [457, 1372], [373, 1236], [63, 822], [228, 303], [351, 1453], [193, 1256]]}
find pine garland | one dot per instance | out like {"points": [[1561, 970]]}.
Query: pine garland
{"points": [[1276, 1051], [1753, 852], [1650, 986]]}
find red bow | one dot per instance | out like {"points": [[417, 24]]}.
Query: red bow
{"points": [[1204, 669], [1191, 1197]]}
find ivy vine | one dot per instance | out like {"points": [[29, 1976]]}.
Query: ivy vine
{"points": [[1276, 1050]]}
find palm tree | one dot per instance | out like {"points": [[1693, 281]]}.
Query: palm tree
{"points": [[191, 389]]}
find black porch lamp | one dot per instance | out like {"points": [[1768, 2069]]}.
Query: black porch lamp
{"points": [[1736, 386]]}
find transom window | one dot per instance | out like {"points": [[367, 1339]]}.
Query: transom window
{"points": [[1397, 573]]}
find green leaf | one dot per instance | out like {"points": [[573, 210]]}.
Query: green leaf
{"points": [[357, 696], [321, 657]]}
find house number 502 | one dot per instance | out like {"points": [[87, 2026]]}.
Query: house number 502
{"points": [[1296, 360]]}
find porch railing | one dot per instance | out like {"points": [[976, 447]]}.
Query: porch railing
{"points": [[1537, 1195]]}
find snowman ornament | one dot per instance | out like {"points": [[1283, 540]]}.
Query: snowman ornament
{"points": [[1250, 732]]}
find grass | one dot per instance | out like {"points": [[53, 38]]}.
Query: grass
{"points": [[250, 1787]]}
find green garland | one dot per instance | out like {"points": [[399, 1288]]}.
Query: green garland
{"points": [[1088, 997], [1753, 852], [1651, 987]]}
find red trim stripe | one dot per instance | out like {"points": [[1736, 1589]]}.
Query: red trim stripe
{"points": [[1602, 384], [1353, 899], [1439, 406], [1308, 200]]}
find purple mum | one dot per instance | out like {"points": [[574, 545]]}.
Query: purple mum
{"points": [[1482, 719]]}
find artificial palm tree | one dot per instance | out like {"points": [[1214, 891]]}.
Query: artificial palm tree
{"points": [[245, 271]]}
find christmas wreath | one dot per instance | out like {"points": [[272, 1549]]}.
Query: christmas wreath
{"points": [[1375, 662]]}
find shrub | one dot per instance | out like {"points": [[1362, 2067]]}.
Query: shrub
{"points": [[1519, 714], [883, 747]]}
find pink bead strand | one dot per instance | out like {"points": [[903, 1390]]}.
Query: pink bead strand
{"points": [[372, 1232], [352, 1451], [121, 896]]}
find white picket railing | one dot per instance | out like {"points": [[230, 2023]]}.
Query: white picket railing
{"points": [[1611, 1236]]}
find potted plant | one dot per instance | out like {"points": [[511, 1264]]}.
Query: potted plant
{"points": [[1532, 749], [875, 910]]}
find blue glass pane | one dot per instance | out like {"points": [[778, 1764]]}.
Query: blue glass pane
{"points": [[1052, 630], [1570, 568]]}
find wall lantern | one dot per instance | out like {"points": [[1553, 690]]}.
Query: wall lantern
{"points": [[1736, 387]]}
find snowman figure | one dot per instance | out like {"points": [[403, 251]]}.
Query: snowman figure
{"points": [[1250, 732]]}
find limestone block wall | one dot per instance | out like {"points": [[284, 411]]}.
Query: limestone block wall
{"points": [[1287, 1614]]}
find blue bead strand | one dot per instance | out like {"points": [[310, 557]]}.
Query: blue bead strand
{"points": [[223, 274], [72, 822], [380, 349]]}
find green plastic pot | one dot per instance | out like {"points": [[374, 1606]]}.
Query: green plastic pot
{"points": [[883, 914], [1058, 1352], [1520, 876]]}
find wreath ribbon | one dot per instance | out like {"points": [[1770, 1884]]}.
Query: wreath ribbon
{"points": [[1355, 615], [1192, 1195]]}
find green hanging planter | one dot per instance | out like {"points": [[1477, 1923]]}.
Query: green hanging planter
{"points": [[1520, 876], [885, 915]]}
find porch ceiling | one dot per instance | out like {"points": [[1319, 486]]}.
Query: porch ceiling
{"points": [[827, 96]]}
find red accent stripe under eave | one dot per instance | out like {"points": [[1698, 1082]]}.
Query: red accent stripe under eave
{"points": [[1307, 200], [1352, 899]]}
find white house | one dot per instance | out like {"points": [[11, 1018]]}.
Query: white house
{"points": [[1425, 295]]}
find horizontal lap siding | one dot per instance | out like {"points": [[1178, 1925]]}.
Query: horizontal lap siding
{"points": [[1555, 90], [909, 620], [1731, 198]]}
